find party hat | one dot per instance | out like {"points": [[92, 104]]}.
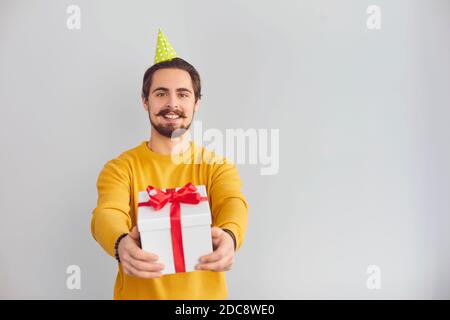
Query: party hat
{"points": [[164, 50]]}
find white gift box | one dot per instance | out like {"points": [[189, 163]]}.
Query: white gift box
{"points": [[155, 231]]}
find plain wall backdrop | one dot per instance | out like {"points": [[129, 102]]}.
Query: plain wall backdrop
{"points": [[364, 175]]}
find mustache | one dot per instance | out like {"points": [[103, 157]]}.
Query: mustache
{"points": [[175, 111]]}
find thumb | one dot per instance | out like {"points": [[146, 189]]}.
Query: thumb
{"points": [[216, 231], [134, 234]]}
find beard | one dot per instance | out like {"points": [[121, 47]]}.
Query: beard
{"points": [[171, 130]]}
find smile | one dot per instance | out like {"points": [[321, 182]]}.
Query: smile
{"points": [[171, 116]]}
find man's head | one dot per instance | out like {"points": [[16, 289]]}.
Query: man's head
{"points": [[171, 91]]}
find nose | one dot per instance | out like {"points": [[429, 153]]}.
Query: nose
{"points": [[173, 101]]}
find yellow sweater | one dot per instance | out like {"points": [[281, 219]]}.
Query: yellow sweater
{"points": [[118, 185]]}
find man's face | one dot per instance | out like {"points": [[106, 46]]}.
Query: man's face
{"points": [[171, 102]]}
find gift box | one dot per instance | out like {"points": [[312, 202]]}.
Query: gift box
{"points": [[175, 224]]}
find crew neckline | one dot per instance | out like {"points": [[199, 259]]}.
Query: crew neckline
{"points": [[166, 157]]}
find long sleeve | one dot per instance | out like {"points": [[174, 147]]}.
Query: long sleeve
{"points": [[111, 217], [119, 184], [228, 205]]}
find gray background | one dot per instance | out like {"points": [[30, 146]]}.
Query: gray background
{"points": [[363, 116]]}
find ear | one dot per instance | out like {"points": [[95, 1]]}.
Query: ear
{"points": [[197, 105], [144, 103]]}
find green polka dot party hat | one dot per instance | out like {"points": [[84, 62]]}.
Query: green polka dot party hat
{"points": [[164, 50]]}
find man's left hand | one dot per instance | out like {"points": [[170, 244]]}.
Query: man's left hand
{"points": [[222, 258]]}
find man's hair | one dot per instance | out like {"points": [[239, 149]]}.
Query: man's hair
{"points": [[175, 63]]}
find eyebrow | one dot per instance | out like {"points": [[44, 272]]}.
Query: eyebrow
{"points": [[166, 89]]}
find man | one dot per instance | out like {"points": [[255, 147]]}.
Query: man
{"points": [[171, 94]]}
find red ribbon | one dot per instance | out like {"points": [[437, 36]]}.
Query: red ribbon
{"points": [[158, 199]]}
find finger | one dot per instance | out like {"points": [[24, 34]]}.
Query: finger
{"points": [[216, 241], [134, 234], [141, 274], [215, 256], [221, 265], [146, 266], [216, 232], [213, 266], [139, 254], [216, 244]]}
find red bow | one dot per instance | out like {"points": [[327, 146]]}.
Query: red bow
{"points": [[158, 199]]}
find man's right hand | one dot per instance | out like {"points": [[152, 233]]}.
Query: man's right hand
{"points": [[135, 261]]}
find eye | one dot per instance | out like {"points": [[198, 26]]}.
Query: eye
{"points": [[160, 94], [184, 95]]}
